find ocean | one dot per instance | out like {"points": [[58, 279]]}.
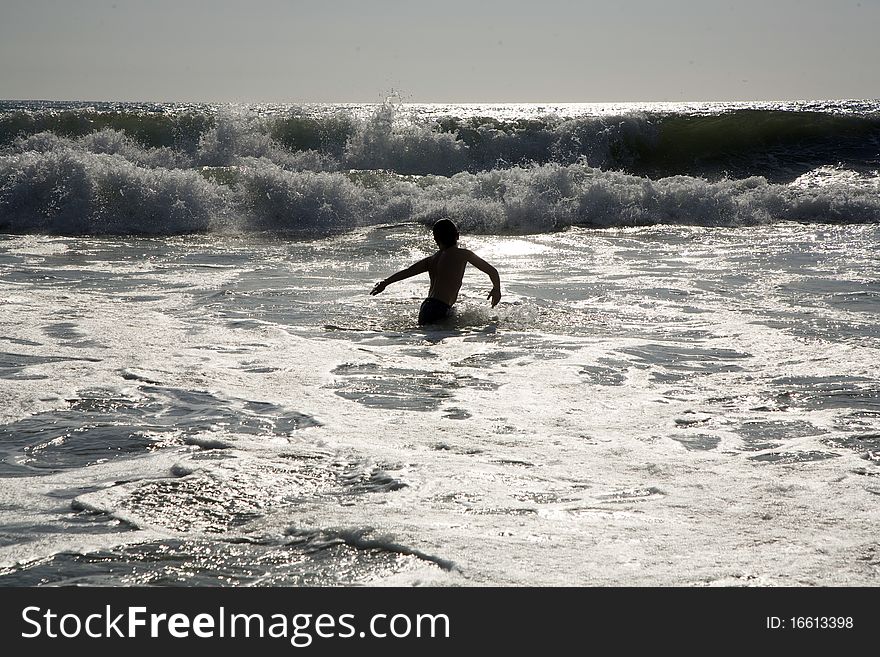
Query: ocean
{"points": [[678, 388]]}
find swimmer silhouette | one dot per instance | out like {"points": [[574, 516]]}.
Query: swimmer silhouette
{"points": [[446, 269]]}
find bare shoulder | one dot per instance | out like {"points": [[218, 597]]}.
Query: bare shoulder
{"points": [[472, 257], [424, 264]]}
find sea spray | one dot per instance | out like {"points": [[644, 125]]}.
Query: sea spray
{"points": [[170, 170]]}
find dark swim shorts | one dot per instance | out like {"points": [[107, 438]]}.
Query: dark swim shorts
{"points": [[433, 310]]}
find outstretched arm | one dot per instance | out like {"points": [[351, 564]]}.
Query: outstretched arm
{"points": [[418, 268], [491, 272]]}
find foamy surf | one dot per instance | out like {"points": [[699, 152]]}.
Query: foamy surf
{"points": [[678, 387], [669, 405]]}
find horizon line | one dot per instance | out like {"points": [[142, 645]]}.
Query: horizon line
{"points": [[436, 102]]}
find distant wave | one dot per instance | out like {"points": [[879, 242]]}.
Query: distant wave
{"points": [[780, 145], [77, 171]]}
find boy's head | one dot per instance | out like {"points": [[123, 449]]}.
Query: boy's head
{"points": [[446, 233]]}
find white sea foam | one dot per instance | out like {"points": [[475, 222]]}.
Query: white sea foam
{"points": [[235, 169], [71, 191], [679, 392]]}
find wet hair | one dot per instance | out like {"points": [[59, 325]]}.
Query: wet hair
{"points": [[446, 232]]}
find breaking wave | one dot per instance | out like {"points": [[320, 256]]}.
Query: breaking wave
{"points": [[76, 171]]}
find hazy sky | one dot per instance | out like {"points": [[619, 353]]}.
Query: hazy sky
{"points": [[456, 51]]}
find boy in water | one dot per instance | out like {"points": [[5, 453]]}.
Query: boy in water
{"points": [[446, 269]]}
